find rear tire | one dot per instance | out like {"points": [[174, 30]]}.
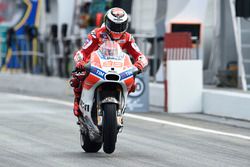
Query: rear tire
{"points": [[88, 145], [109, 127]]}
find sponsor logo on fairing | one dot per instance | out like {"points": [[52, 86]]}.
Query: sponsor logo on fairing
{"points": [[126, 74], [97, 72], [84, 106], [100, 73]]}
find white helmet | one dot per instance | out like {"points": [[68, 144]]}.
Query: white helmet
{"points": [[116, 22]]}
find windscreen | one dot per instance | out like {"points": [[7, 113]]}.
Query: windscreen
{"points": [[111, 50]]}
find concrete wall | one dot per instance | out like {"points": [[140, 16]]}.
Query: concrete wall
{"points": [[184, 86], [36, 85], [226, 103], [156, 95]]}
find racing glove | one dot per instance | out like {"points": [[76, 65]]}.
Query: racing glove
{"points": [[80, 65], [139, 66], [78, 77], [141, 63]]}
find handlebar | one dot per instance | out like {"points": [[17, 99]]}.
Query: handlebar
{"points": [[136, 71], [87, 67]]}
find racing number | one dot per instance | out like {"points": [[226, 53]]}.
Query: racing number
{"points": [[112, 64]]}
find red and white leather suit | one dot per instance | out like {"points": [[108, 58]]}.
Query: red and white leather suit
{"points": [[99, 35]]}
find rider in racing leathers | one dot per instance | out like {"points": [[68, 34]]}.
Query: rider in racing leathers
{"points": [[115, 26]]}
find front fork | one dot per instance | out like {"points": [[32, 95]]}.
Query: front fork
{"points": [[92, 130], [119, 112]]}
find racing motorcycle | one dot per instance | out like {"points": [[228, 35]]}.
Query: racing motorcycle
{"points": [[110, 76]]}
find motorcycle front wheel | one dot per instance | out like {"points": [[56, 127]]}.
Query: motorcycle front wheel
{"points": [[110, 129]]}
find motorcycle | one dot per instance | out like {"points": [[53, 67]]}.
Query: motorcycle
{"points": [[110, 76]]}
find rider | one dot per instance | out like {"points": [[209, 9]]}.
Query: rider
{"points": [[114, 29]]}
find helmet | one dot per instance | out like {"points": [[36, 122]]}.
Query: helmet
{"points": [[116, 22]]}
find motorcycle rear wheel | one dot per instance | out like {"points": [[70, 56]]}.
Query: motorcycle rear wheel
{"points": [[110, 129], [88, 145]]}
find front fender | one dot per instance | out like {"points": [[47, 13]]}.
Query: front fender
{"points": [[110, 100]]}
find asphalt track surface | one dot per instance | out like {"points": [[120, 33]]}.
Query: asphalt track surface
{"points": [[42, 133]]}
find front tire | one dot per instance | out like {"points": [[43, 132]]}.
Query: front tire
{"points": [[88, 145], [110, 129]]}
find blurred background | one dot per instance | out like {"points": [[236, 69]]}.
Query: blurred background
{"points": [[40, 36], [191, 107]]}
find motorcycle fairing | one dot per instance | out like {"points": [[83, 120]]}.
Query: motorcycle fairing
{"points": [[100, 67]]}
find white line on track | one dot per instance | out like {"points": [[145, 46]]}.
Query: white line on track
{"points": [[154, 120], [187, 126]]}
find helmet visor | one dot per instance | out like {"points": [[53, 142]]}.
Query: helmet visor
{"points": [[116, 27]]}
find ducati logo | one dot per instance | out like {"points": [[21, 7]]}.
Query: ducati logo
{"points": [[84, 106]]}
